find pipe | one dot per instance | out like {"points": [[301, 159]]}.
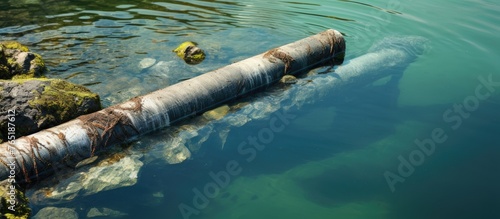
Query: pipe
{"points": [[35, 155]]}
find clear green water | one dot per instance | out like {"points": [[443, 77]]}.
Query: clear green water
{"points": [[330, 161]]}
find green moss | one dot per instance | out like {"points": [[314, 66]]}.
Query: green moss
{"points": [[197, 57], [14, 45], [40, 63], [14, 66], [190, 53], [60, 100], [22, 206], [4, 69], [23, 80], [181, 49], [34, 72]]}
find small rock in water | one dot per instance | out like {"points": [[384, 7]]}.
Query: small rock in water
{"points": [[107, 175], [158, 194], [288, 79], [216, 113], [146, 63], [177, 153], [56, 213], [190, 53], [104, 212], [119, 174], [238, 120]]}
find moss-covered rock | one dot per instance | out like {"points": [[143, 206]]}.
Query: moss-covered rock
{"points": [[16, 61], [190, 53], [13, 202], [14, 45], [40, 103]]}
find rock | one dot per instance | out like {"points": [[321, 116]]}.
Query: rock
{"points": [[41, 103], [163, 69], [146, 63], [216, 113], [190, 53], [114, 172], [104, 212], [16, 61], [21, 205], [155, 199], [158, 194], [176, 152], [120, 174], [262, 109], [56, 213], [237, 120], [288, 79]]}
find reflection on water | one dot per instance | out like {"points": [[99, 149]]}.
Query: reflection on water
{"points": [[329, 162], [102, 43]]}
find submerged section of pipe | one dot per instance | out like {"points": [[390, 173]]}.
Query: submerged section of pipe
{"points": [[177, 143], [34, 156]]}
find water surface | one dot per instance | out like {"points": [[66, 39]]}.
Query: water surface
{"points": [[330, 160]]}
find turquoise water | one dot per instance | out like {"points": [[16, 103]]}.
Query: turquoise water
{"points": [[333, 158]]}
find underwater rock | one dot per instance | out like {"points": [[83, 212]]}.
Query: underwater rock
{"points": [[237, 120], [56, 213], [21, 205], [288, 79], [262, 109], [175, 149], [146, 63], [158, 194], [216, 113], [177, 152], [16, 61], [162, 69], [40, 103], [104, 212], [190, 53], [107, 175], [120, 174]]}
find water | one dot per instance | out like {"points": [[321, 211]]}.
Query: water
{"points": [[332, 159]]}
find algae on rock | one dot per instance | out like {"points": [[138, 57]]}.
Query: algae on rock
{"points": [[190, 53], [40, 103], [16, 61], [21, 205]]}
